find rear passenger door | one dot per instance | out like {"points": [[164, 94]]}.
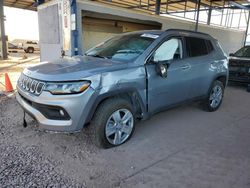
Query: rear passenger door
{"points": [[200, 57]]}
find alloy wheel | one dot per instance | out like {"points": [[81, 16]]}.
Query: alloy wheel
{"points": [[215, 96], [119, 126]]}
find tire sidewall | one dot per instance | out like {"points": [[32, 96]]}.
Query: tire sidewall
{"points": [[104, 112]]}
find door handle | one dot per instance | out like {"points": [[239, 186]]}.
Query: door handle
{"points": [[185, 67]]}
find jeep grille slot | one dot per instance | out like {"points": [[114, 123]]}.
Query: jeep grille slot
{"points": [[31, 85]]}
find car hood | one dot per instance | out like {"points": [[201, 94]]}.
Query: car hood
{"points": [[72, 68], [239, 58]]}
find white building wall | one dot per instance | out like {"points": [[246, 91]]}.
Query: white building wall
{"points": [[50, 26], [230, 40]]}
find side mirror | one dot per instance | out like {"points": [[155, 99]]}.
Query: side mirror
{"points": [[231, 54], [162, 69]]}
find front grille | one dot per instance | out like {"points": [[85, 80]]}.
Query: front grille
{"points": [[239, 63], [31, 85]]}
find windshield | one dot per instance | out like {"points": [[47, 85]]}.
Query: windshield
{"points": [[243, 52], [123, 48]]}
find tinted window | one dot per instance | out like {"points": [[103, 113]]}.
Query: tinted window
{"points": [[243, 52], [196, 47], [31, 42], [210, 47]]}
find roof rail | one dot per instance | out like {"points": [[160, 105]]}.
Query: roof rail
{"points": [[189, 31]]}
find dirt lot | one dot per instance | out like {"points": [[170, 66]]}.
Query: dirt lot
{"points": [[183, 147], [14, 65]]}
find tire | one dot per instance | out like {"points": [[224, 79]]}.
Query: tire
{"points": [[208, 103], [30, 50], [106, 113], [248, 88]]}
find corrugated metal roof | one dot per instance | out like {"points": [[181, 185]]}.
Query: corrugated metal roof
{"points": [[143, 5], [23, 4]]}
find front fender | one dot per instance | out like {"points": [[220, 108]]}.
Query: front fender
{"points": [[117, 91]]}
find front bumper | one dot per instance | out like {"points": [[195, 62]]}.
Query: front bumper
{"points": [[239, 77], [77, 106]]}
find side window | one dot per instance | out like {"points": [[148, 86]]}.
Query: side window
{"points": [[210, 47], [169, 50], [196, 46]]}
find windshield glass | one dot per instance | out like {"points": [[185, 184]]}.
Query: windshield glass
{"points": [[243, 52], [123, 48]]}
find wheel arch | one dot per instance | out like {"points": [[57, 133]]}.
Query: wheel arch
{"points": [[221, 77], [129, 94]]}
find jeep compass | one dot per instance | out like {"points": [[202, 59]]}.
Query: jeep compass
{"points": [[127, 78]]}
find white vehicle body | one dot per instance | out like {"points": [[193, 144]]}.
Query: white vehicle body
{"points": [[31, 46]]}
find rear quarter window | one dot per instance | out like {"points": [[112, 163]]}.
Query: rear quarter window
{"points": [[197, 47], [210, 47]]}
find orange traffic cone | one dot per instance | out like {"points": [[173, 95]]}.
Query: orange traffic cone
{"points": [[8, 85]]}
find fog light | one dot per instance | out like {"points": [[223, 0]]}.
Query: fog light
{"points": [[61, 112]]}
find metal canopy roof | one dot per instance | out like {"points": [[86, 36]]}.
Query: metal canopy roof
{"points": [[149, 5], [218, 12], [168, 6], [23, 4]]}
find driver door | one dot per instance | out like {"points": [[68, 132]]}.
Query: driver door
{"points": [[164, 92]]}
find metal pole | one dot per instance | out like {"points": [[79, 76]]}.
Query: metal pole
{"points": [[74, 30], [3, 37], [158, 7], [222, 14], [247, 28], [197, 17], [209, 15], [185, 9]]}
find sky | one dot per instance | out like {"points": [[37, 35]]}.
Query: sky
{"points": [[21, 24]]}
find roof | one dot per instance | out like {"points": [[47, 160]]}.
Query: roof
{"points": [[23, 4], [178, 32], [175, 5], [144, 5]]}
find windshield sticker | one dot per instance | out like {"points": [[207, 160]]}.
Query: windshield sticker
{"points": [[148, 35]]}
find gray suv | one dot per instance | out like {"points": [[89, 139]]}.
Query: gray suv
{"points": [[127, 78]]}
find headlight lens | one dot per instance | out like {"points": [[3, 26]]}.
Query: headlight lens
{"points": [[67, 87]]}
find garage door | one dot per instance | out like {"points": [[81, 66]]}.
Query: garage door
{"points": [[97, 30]]}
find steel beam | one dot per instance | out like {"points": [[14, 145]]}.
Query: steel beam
{"points": [[246, 34], [239, 5], [3, 37], [209, 16], [198, 14], [158, 7]]}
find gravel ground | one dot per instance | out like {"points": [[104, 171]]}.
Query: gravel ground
{"points": [[183, 147], [25, 165]]}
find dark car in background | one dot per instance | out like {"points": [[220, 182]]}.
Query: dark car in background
{"points": [[239, 66], [12, 48]]}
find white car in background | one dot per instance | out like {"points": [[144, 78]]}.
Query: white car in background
{"points": [[30, 46]]}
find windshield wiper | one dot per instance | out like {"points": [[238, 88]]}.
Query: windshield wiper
{"points": [[96, 55], [129, 51]]}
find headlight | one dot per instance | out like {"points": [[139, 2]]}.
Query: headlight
{"points": [[67, 87]]}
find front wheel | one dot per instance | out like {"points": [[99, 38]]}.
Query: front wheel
{"points": [[215, 96], [113, 123]]}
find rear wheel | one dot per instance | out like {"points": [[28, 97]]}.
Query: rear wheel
{"points": [[113, 123], [215, 96], [30, 50]]}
